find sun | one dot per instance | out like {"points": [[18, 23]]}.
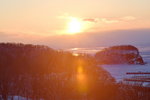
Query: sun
{"points": [[74, 26]]}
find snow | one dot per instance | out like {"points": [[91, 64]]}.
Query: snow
{"points": [[18, 98], [119, 71]]}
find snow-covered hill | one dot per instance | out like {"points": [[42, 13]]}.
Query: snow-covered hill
{"points": [[124, 54]]}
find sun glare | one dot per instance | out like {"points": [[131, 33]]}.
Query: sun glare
{"points": [[74, 26]]}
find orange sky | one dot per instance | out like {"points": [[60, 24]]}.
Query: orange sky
{"points": [[36, 18], [50, 16]]}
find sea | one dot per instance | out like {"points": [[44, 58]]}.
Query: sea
{"points": [[119, 71]]}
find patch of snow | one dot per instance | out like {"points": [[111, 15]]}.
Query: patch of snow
{"points": [[119, 71]]}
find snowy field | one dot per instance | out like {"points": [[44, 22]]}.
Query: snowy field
{"points": [[119, 71]]}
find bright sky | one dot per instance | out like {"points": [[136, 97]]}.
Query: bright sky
{"points": [[52, 17]]}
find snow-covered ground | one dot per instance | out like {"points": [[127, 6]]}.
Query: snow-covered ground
{"points": [[119, 71], [17, 98]]}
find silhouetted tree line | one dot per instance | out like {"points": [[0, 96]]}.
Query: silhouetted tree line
{"points": [[39, 72]]}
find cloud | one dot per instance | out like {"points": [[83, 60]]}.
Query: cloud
{"points": [[104, 20], [19, 37], [117, 20], [110, 20], [128, 18], [92, 39], [90, 20], [101, 20], [95, 39]]}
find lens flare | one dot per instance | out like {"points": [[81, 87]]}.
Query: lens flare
{"points": [[81, 79]]}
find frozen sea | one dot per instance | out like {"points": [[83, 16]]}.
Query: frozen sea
{"points": [[119, 71]]}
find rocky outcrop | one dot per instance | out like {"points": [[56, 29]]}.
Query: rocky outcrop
{"points": [[124, 54]]}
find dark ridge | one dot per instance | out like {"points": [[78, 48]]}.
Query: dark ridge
{"points": [[124, 47], [21, 46], [123, 54]]}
